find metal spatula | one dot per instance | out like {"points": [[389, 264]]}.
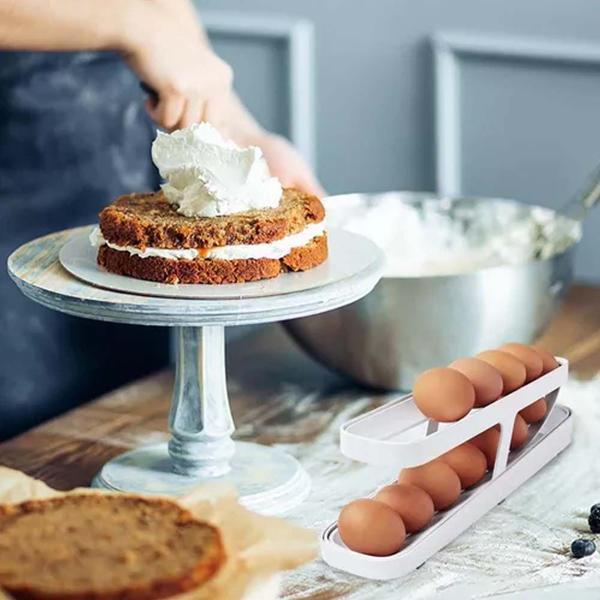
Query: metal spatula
{"points": [[577, 208]]}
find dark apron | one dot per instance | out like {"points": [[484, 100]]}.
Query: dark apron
{"points": [[73, 136]]}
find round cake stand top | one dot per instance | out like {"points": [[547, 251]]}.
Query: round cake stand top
{"points": [[353, 268]]}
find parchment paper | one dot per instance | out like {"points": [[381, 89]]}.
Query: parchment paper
{"points": [[256, 547]]}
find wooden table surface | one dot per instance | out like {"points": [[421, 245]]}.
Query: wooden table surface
{"points": [[267, 374]]}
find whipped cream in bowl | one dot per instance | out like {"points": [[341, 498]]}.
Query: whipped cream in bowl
{"points": [[209, 176], [423, 235]]}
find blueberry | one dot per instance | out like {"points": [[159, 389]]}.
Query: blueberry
{"points": [[595, 509], [594, 522], [581, 548]]}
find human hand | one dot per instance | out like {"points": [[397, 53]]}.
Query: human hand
{"points": [[173, 57], [168, 50], [286, 163]]}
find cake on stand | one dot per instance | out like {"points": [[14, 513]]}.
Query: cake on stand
{"points": [[60, 272]]}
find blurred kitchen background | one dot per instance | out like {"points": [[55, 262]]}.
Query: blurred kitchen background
{"points": [[496, 98]]}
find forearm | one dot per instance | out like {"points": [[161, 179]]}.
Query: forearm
{"points": [[58, 25], [243, 128]]}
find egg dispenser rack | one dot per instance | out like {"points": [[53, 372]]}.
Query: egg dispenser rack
{"points": [[399, 435]]}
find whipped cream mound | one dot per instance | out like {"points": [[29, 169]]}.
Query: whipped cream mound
{"points": [[209, 176], [444, 237]]}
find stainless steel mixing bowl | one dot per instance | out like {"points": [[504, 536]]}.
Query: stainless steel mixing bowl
{"points": [[409, 324]]}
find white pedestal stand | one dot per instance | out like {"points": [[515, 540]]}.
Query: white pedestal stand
{"points": [[201, 447]]}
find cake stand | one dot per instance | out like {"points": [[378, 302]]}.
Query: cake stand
{"points": [[60, 272]]}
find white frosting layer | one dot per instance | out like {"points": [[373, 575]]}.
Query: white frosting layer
{"points": [[277, 249], [208, 176], [97, 240]]}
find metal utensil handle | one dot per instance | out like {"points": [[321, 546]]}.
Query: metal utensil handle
{"points": [[150, 91], [578, 207]]}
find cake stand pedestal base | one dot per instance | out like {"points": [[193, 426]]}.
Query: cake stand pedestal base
{"points": [[201, 449], [268, 481]]}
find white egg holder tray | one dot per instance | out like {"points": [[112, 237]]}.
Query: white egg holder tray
{"points": [[397, 434]]}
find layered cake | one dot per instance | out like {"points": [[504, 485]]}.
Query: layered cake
{"points": [[104, 547], [220, 217]]}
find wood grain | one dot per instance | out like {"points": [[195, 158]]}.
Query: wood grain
{"points": [[277, 393], [575, 332]]}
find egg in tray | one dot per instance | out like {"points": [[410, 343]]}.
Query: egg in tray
{"points": [[469, 435]]}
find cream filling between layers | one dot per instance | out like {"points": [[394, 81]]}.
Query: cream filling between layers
{"points": [[275, 250]]}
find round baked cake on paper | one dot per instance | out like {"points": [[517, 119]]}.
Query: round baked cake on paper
{"points": [[104, 547], [219, 218]]}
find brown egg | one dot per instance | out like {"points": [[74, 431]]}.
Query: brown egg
{"points": [[528, 356], [512, 370], [486, 379], [413, 504], [468, 462], [443, 394], [520, 433], [437, 479], [535, 412], [487, 442], [548, 361], [371, 527]]}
